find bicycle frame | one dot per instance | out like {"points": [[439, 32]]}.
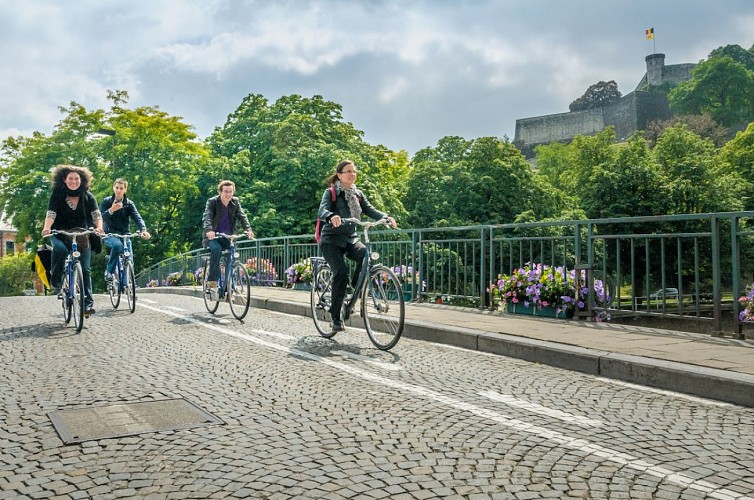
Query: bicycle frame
{"points": [[236, 293], [366, 266]]}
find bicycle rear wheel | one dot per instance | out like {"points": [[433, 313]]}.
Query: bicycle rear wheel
{"points": [[382, 308], [321, 300], [66, 298], [113, 288], [239, 292], [130, 287], [78, 297], [210, 304]]}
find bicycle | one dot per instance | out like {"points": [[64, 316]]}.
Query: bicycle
{"points": [[123, 278], [382, 305], [72, 289], [232, 284]]}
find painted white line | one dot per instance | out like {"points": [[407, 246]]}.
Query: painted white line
{"points": [[376, 362], [615, 456], [541, 410], [278, 335], [637, 387], [173, 308], [680, 395], [147, 301]]}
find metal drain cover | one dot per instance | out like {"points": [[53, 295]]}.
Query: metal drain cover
{"points": [[101, 422]]}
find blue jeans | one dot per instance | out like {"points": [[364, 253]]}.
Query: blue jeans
{"points": [[115, 245], [216, 248], [59, 252]]}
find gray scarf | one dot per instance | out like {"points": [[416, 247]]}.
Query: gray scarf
{"points": [[353, 201]]}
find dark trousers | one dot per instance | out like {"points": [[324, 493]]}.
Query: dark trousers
{"points": [[59, 253], [216, 248], [335, 257]]}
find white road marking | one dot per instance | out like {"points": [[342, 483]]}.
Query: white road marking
{"points": [[615, 456], [637, 387], [281, 336], [681, 395], [541, 410], [173, 308], [376, 362], [147, 301]]}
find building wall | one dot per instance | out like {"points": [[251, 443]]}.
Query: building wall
{"points": [[630, 113]]}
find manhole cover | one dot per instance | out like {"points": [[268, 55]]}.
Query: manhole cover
{"points": [[100, 422]]}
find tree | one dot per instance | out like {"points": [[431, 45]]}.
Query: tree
{"points": [[738, 156], [720, 86], [696, 181], [702, 125], [597, 95], [627, 185], [482, 181], [156, 153], [279, 156]]}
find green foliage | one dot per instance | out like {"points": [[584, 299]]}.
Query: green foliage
{"points": [[279, 156], [702, 125], [738, 156], [15, 272], [720, 86], [482, 181], [596, 96]]}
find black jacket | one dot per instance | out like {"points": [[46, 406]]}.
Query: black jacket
{"points": [[346, 233], [119, 222], [212, 214]]}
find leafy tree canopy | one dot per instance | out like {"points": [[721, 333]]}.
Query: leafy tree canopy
{"points": [[280, 154], [596, 96], [720, 86]]}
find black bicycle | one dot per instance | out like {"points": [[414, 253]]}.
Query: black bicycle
{"points": [[123, 281], [232, 284], [382, 305], [72, 293]]}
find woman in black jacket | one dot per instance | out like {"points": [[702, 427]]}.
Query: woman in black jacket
{"points": [[72, 206], [339, 239]]}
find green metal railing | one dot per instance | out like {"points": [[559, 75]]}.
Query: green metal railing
{"points": [[703, 261]]}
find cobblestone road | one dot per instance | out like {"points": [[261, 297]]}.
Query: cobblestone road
{"points": [[306, 417]]}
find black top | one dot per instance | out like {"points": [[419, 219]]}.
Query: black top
{"points": [[346, 233], [67, 218], [118, 222]]}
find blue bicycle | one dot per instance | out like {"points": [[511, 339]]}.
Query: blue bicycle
{"points": [[72, 290], [232, 283], [123, 281]]}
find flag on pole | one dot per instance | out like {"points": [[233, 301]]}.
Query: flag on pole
{"points": [[650, 33]]}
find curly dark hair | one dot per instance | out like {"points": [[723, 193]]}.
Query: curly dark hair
{"points": [[60, 172]]}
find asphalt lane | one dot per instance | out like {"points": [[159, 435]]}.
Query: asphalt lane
{"points": [[304, 416]]}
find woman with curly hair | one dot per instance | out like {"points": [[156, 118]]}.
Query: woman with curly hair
{"points": [[71, 206]]}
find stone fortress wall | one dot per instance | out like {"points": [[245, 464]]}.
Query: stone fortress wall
{"points": [[630, 113]]}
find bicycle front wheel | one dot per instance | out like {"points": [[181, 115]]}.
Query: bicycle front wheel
{"points": [[383, 308], [209, 303], [321, 300], [66, 299], [78, 297], [113, 288], [239, 292], [130, 288]]}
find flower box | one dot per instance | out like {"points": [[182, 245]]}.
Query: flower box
{"points": [[407, 287], [545, 312], [300, 285]]}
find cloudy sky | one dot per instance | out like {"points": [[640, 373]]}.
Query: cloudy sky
{"points": [[406, 73]]}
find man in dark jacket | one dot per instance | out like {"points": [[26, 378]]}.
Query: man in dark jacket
{"points": [[117, 214], [220, 216]]}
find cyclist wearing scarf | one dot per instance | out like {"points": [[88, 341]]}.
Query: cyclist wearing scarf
{"points": [[339, 239], [72, 207]]}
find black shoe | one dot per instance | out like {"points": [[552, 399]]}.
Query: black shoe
{"points": [[337, 326]]}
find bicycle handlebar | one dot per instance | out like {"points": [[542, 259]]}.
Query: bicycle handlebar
{"points": [[230, 236], [121, 236], [69, 233], [367, 224]]}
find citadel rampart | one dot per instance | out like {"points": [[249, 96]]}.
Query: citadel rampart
{"points": [[630, 113]]}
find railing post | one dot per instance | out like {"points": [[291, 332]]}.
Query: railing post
{"points": [[716, 292], [482, 270], [735, 251]]}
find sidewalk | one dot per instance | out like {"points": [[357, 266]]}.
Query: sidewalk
{"points": [[691, 363]]}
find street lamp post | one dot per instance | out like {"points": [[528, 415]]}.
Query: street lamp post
{"points": [[111, 133]]}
